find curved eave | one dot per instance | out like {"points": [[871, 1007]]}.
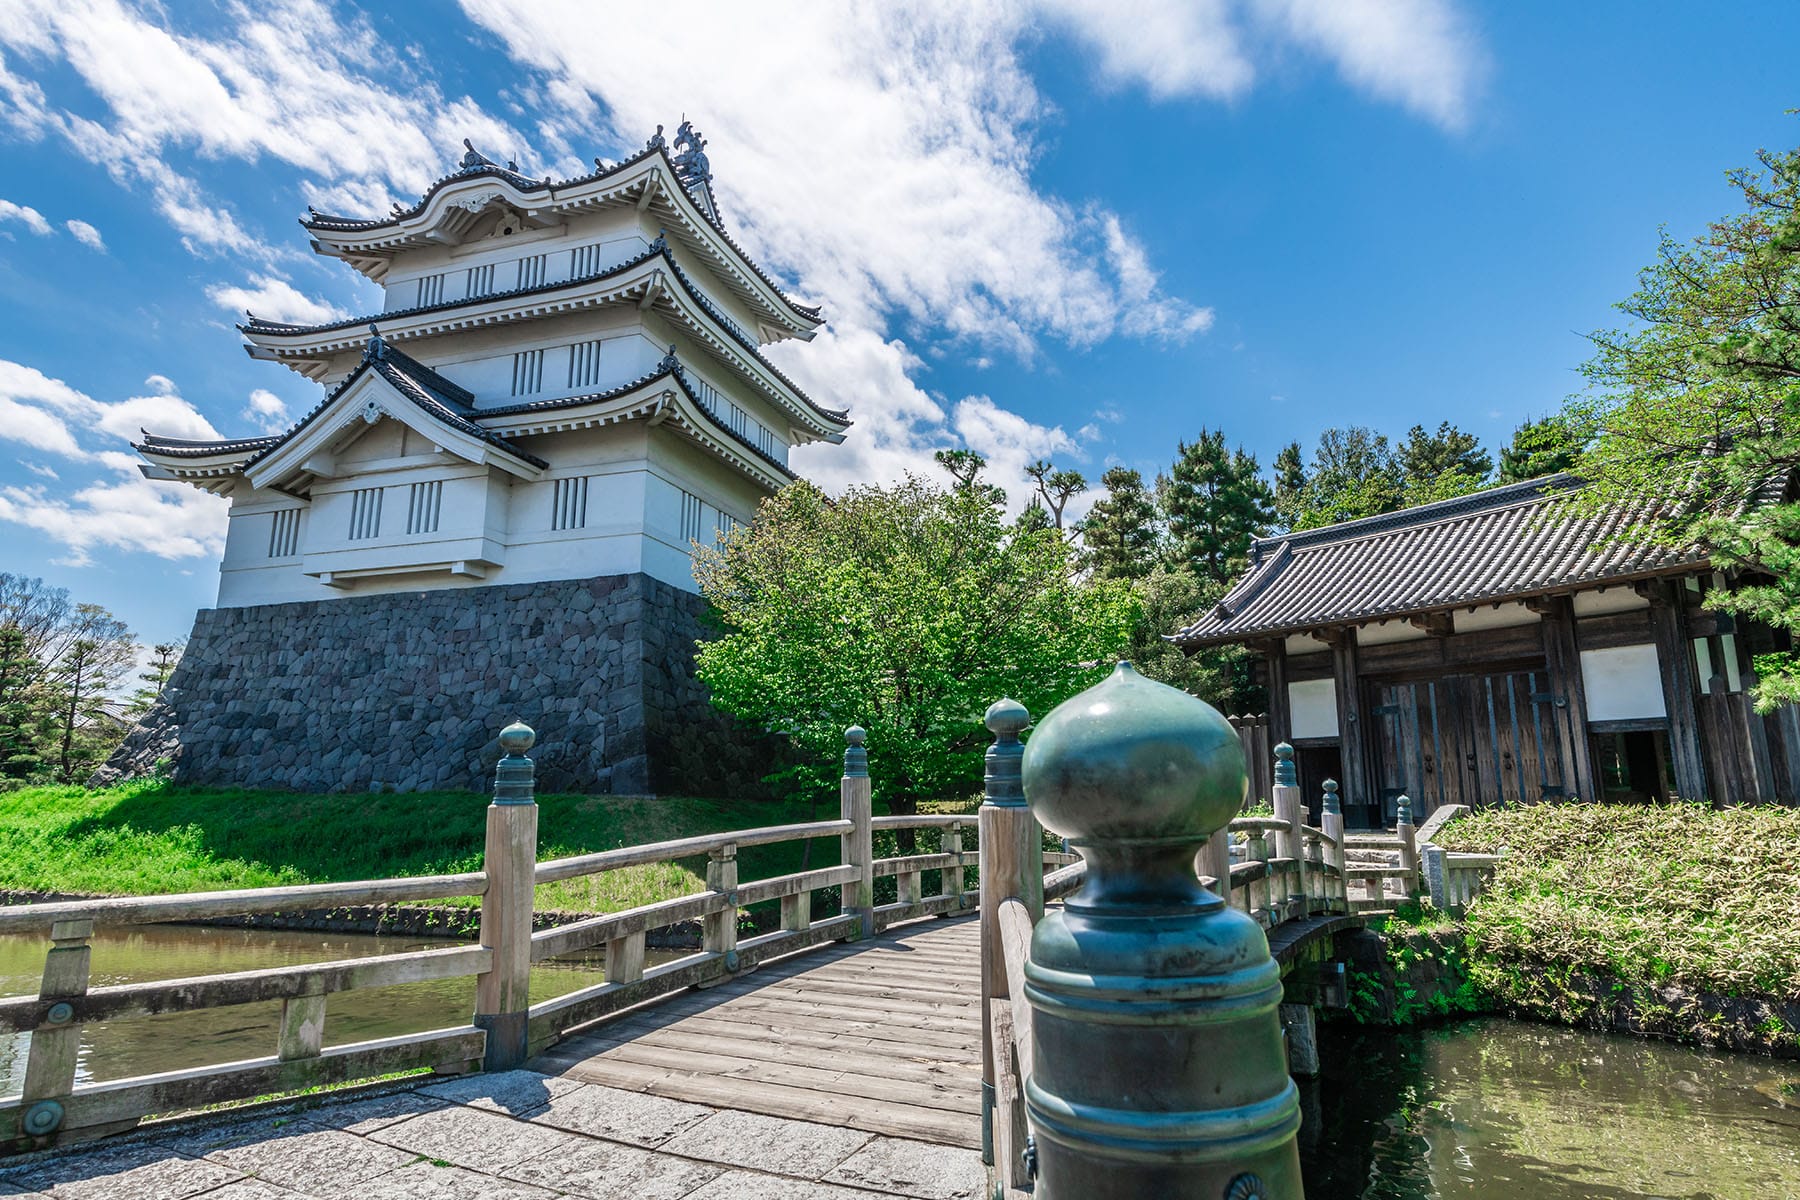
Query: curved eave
{"points": [[647, 180], [653, 278], [660, 399], [216, 474]]}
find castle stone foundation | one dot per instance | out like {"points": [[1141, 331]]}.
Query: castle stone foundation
{"points": [[406, 691]]}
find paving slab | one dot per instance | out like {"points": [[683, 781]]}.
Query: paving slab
{"points": [[141, 1171], [327, 1161], [374, 1112], [256, 1189], [427, 1181], [742, 1185], [896, 1167], [773, 1144], [620, 1116], [606, 1170], [514, 1092], [470, 1137]]}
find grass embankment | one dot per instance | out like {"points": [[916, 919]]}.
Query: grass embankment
{"points": [[1664, 909], [153, 838]]}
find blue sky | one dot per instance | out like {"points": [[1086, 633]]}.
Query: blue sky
{"points": [[1082, 230]]}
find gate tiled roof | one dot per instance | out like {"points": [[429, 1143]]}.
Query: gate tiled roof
{"points": [[1505, 543]]}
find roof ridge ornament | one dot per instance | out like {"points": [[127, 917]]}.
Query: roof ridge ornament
{"points": [[691, 164], [657, 141], [473, 159], [377, 349], [669, 361]]}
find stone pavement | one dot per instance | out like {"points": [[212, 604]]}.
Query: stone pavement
{"points": [[516, 1135]]}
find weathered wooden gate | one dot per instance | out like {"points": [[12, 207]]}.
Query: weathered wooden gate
{"points": [[1474, 740]]}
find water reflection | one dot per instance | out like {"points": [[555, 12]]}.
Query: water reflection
{"points": [[118, 1049], [1492, 1109]]}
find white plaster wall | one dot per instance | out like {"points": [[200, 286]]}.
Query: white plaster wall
{"points": [[1300, 643], [1312, 709], [1608, 600], [1622, 683], [1495, 617], [1382, 633]]}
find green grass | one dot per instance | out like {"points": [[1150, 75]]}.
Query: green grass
{"points": [[153, 838], [1644, 896]]}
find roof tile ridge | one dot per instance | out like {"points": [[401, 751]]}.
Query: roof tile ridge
{"points": [[636, 260], [1506, 495], [726, 429], [551, 405], [428, 377]]}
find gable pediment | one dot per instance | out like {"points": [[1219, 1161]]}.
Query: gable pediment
{"points": [[368, 415]]}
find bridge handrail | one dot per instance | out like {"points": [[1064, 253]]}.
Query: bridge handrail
{"points": [[578, 865], [197, 906]]}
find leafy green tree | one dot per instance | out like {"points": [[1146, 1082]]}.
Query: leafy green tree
{"points": [[1437, 466], [906, 609], [1119, 535], [1699, 398], [1354, 474], [1172, 597], [1546, 446], [1216, 503]]}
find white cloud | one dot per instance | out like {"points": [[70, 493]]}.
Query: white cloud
{"points": [[1421, 54], [43, 469], [1189, 48], [267, 411], [274, 299], [25, 215], [169, 520], [120, 509], [86, 234]]}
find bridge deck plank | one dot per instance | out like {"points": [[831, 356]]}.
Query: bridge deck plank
{"points": [[882, 1035]]}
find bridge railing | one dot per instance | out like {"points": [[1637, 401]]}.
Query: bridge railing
{"points": [[506, 1028]]}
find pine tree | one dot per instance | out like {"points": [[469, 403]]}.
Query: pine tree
{"points": [[24, 712], [1216, 503], [1290, 484], [95, 660], [1437, 466], [1546, 446], [965, 467], [1119, 534], [1354, 474], [164, 656], [1056, 488]]}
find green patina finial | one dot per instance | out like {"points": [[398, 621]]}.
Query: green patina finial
{"points": [[1402, 810], [856, 757], [1005, 719], [1133, 760], [1284, 766], [515, 778], [1331, 797], [517, 738]]}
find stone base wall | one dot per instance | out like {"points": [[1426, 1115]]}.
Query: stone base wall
{"points": [[406, 692]]}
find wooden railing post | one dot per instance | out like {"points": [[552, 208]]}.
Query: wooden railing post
{"points": [[952, 877], [1012, 868], [857, 845], [1409, 846], [720, 928], [1215, 860], [1331, 824], [1290, 842], [503, 993], [50, 1063]]}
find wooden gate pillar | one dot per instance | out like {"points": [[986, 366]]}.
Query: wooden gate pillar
{"points": [[1562, 657], [1353, 723], [1675, 654], [1011, 854]]}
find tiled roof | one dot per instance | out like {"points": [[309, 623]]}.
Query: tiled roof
{"points": [[286, 329], [438, 397], [321, 222], [1504, 543], [191, 448], [664, 372]]}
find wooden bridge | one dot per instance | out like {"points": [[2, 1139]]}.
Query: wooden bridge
{"points": [[872, 1018]]}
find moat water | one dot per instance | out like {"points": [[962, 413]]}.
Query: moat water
{"points": [[1481, 1110]]}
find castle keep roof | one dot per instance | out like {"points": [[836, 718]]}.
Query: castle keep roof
{"points": [[1506, 543]]}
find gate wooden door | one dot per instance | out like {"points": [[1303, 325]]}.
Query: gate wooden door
{"points": [[1470, 739]]}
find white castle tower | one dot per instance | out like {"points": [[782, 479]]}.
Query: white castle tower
{"points": [[563, 392]]}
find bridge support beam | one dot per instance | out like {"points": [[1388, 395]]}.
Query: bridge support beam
{"points": [[1157, 1066], [1300, 1028], [503, 992]]}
